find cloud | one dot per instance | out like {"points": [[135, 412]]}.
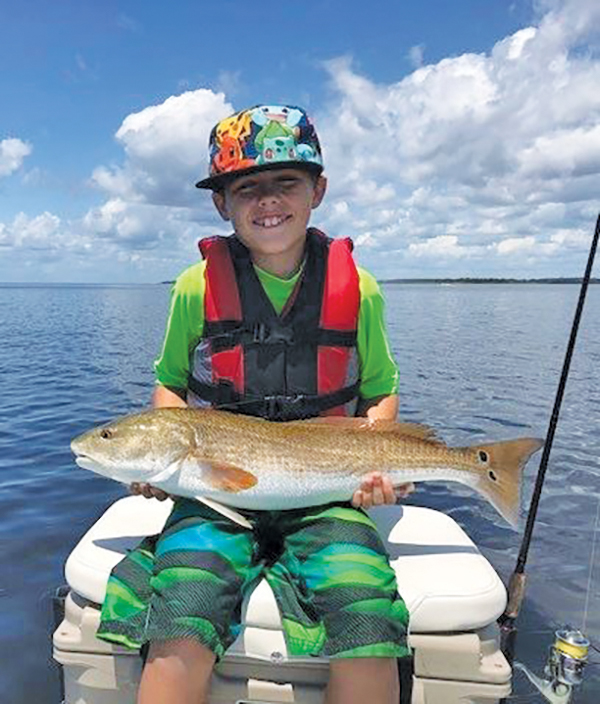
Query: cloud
{"points": [[41, 233], [444, 245], [515, 245], [152, 215], [142, 227], [565, 153], [165, 148], [12, 154], [416, 54], [483, 155], [479, 164], [229, 82]]}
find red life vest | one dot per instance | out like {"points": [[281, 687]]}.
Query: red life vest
{"points": [[299, 364]]}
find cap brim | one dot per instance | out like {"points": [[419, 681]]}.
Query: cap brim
{"points": [[216, 183]]}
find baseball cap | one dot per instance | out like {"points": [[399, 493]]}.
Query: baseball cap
{"points": [[258, 138]]}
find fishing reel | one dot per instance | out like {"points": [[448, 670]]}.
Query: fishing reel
{"points": [[564, 669]]}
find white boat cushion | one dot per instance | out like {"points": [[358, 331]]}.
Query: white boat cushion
{"points": [[445, 581]]}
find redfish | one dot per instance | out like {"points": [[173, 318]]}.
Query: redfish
{"points": [[250, 463]]}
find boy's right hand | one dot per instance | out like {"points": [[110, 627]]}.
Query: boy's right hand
{"points": [[150, 492]]}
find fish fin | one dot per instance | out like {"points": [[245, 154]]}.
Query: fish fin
{"points": [[414, 430], [225, 511], [340, 422], [227, 477], [501, 468], [165, 473]]}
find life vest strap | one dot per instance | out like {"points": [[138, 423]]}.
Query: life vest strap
{"points": [[225, 335], [223, 396]]}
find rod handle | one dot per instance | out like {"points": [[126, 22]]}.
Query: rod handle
{"points": [[516, 594]]}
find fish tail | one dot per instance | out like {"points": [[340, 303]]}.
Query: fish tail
{"points": [[501, 467]]}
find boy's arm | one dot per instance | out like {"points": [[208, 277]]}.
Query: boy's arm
{"points": [[379, 375], [376, 488], [379, 408], [164, 397]]}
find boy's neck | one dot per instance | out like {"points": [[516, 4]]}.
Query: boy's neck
{"points": [[284, 265]]}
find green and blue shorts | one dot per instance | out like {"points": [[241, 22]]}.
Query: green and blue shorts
{"points": [[327, 565]]}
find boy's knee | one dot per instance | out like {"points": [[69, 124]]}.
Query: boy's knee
{"points": [[384, 667], [363, 679], [177, 658], [177, 671]]}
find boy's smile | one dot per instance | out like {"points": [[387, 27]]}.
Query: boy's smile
{"points": [[271, 221], [270, 211]]}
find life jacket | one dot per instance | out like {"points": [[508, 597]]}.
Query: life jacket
{"points": [[299, 364]]}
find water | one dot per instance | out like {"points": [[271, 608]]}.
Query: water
{"points": [[477, 361]]}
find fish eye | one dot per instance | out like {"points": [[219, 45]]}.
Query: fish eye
{"points": [[483, 456], [106, 434]]}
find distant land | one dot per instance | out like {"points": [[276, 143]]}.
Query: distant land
{"points": [[469, 280], [464, 280]]}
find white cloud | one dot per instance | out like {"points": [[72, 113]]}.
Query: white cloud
{"points": [[166, 150], [485, 154], [518, 43], [416, 54], [444, 245], [140, 227], [483, 163], [12, 153], [567, 152], [41, 233], [514, 245], [153, 215]]}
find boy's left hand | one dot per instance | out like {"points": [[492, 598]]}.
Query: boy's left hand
{"points": [[377, 489]]}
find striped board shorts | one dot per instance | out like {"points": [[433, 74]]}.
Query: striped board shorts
{"points": [[327, 565]]}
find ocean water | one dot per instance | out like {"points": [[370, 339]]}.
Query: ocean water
{"points": [[477, 362]]}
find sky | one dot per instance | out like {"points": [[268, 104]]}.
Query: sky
{"points": [[460, 138]]}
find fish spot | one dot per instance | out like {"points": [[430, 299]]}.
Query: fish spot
{"points": [[106, 434], [483, 456], [492, 476]]}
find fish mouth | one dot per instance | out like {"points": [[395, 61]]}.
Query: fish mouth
{"points": [[86, 462], [82, 459]]}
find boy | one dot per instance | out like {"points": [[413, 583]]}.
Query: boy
{"points": [[276, 322]]}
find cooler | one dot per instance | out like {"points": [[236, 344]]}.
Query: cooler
{"points": [[453, 594]]}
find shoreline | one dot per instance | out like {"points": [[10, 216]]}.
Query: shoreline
{"points": [[474, 280], [447, 281]]}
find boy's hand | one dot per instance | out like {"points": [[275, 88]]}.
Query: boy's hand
{"points": [[377, 489], [148, 491]]}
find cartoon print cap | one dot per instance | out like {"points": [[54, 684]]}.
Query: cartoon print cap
{"points": [[261, 137]]}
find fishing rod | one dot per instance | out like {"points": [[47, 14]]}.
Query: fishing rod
{"points": [[517, 583]]}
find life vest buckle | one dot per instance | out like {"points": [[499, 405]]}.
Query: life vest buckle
{"points": [[281, 408], [260, 333], [263, 334]]}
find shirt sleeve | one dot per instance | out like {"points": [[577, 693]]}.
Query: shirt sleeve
{"points": [[378, 370], [184, 328]]}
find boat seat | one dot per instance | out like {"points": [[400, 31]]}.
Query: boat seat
{"points": [[447, 584]]}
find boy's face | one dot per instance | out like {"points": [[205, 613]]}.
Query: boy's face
{"points": [[270, 211]]}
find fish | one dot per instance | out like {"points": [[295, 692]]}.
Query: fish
{"points": [[244, 462]]}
